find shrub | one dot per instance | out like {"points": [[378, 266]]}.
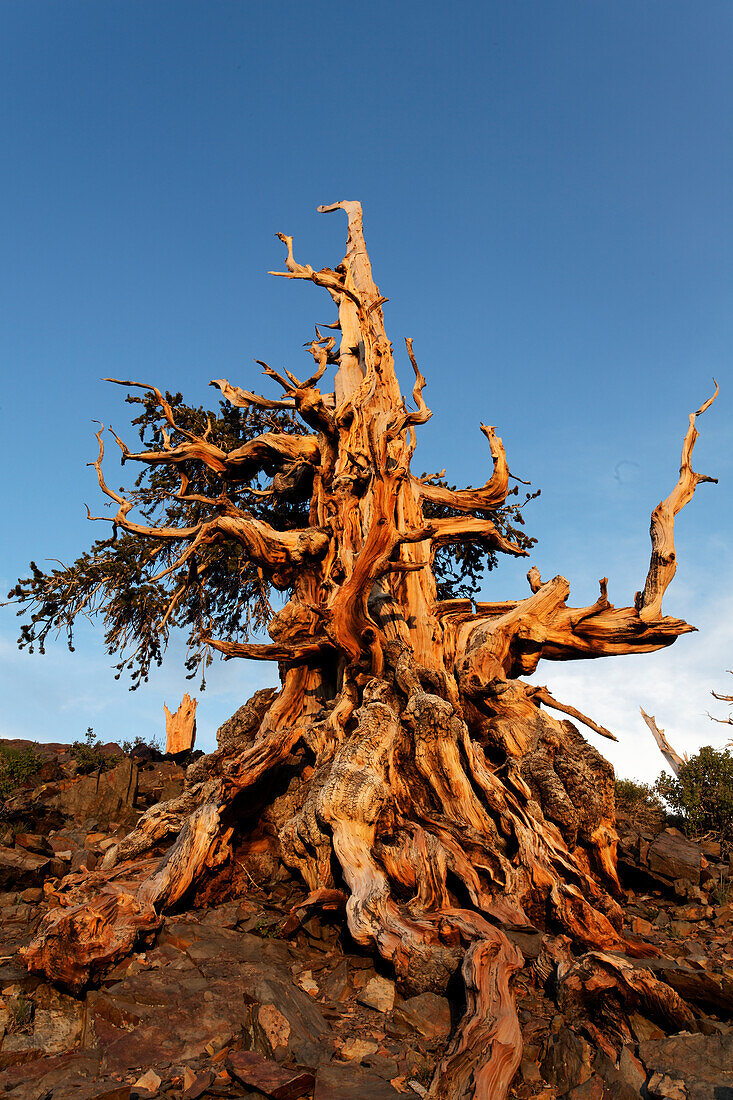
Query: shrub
{"points": [[702, 793], [17, 766], [148, 742], [89, 756], [639, 802]]}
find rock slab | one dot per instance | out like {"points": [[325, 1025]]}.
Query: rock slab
{"points": [[269, 1077], [704, 1063], [675, 857]]}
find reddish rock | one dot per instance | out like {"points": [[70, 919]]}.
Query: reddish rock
{"points": [[33, 894], [674, 857], [93, 839], [269, 1077], [102, 797], [83, 859], [61, 844], [427, 1014], [703, 1062], [592, 1089], [198, 1086], [19, 868], [567, 1061], [33, 842], [160, 781], [339, 1081]]}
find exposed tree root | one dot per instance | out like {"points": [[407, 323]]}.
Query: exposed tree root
{"points": [[410, 820]]}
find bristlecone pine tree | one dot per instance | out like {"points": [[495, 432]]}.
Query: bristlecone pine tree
{"points": [[428, 790]]}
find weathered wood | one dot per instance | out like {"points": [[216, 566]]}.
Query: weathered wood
{"points": [[663, 563], [180, 727], [673, 758], [484, 1055]]}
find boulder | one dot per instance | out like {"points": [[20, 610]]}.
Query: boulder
{"points": [[427, 1013], [268, 1077], [378, 993], [287, 1024], [34, 842], [346, 1081], [195, 1085], [102, 797], [160, 781], [58, 1020], [703, 1063], [674, 857], [567, 1062], [19, 868]]}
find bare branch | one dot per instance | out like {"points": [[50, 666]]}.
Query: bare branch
{"points": [[722, 721], [295, 653], [423, 413], [542, 695], [663, 564], [167, 410], [267, 449], [723, 698], [242, 399], [125, 506], [673, 758], [326, 278], [471, 529]]}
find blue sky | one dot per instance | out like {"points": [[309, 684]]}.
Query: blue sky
{"points": [[546, 190]]}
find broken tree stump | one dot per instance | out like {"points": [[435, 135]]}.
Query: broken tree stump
{"points": [[180, 727]]}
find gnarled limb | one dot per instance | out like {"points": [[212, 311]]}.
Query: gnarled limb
{"points": [[542, 695], [242, 399], [511, 637], [460, 529], [485, 499], [663, 564], [266, 450], [598, 974], [673, 758], [486, 1051], [264, 544], [292, 653]]}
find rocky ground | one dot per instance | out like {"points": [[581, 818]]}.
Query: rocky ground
{"points": [[244, 994]]}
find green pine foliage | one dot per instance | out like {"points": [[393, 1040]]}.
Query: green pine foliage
{"points": [[124, 579], [113, 580], [89, 756]]}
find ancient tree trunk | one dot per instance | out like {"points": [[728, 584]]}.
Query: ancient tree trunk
{"points": [[437, 794]]}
